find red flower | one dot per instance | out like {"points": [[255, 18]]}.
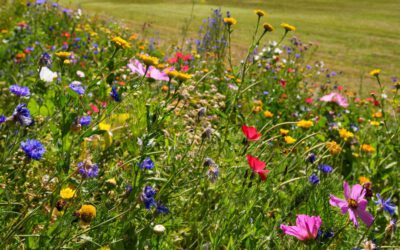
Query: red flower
{"points": [[282, 82], [251, 133], [258, 167]]}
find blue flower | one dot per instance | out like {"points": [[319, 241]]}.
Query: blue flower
{"points": [[147, 164], [23, 115], [33, 149], [77, 87], [161, 209], [148, 197], [87, 169], [312, 158], [386, 205], [19, 90], [85, 120], [114, 94], [325, 168], [45, 60], [313, 179], [2, 118]]}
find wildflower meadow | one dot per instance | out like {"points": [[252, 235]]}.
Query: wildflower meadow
{"points": [[110, 140]]}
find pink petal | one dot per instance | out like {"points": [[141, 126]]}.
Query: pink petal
{"points": [[294, 231], [353, 217], [366, 217], [327, 98], [357, 192], [346, 190], [336, 202]]}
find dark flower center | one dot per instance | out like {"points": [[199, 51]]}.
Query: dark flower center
{"points": [[352, 203]]}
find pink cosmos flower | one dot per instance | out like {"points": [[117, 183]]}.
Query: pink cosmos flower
{"points": [[354, 204], [306, 227], [337, 98], [136, 67]]}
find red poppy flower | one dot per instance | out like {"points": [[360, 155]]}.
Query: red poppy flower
{"points": [[251, 133], [282, 82], [258, 167]]}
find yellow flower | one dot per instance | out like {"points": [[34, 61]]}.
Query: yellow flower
{"points": [[333, 147], [259, 13], [172, 73], [67, 193], [268, 114], [284, 131], [375, 72], [63, 54], [87, 213], [305, 124], [104, 248], [367, 148], [257, 109], [120, 43], [149, 60], [364, 180], [289, 140], [345, 134], [288, 27], [377, 115], [183, 76], [230, 21], [375, 123], [268, 27]]}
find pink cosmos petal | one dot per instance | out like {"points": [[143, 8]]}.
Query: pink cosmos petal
{"points": [[336, 202], [336, 98], [327, 98], [353, 217], [357, 192], [346, 190], [294, 231], [158, 75], [366, 217], [136, 67], [306, 227]]}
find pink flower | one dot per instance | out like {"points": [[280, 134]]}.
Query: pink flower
{"points": [[354, 204], [136, 67], [337, 98], [306, 227], [258, 167]]}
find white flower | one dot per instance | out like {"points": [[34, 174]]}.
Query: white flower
{"points": [[80, 74], [47, 75], [159, 229]]}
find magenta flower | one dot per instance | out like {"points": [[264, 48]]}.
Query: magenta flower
{"points": [[354, 204], [306, 227], [336, 98], [137, 67]]}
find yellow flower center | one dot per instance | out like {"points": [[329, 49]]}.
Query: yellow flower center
{"points": [[352, 203]]}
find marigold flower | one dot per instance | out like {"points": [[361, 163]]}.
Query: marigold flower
{"points": [[86, 213], [230, 21], [268, 27], [268, 114], [257, 109], [367, 148], [120, 43], [20, 56], [259, 13], [375, 72], [305, 124], [289, 140], [333, 147], [306, 228], [364, 180], [164, 88], [149, 60], [67, 193], [283, 132], [345, 134], [377, 115], [183, 76], [63, 54], [288, 27]]}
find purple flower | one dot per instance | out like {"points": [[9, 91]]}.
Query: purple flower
{"points": [[22, 115], [385, 204], [87, 169], [33, 149], [306, 228], [148, 197], [325, 168], [77, 87], [354, 204], [2, 118], [161, 209], [19, 90], [45, 60], [147, 164], [313, 179], [85, 120], [312, 158], [114, 94]]}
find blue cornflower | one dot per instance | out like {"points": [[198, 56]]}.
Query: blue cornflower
{"points": [[325, 168], [19, 90], [161, 209], [33, 149], [354, 127], [45, 60], [147, 164], [312, 158], [114, 94], [385, 204], [87, 169], [2, 118], [77, 87], [313, 179], [148, 197], [23, 115], [85, 120]]}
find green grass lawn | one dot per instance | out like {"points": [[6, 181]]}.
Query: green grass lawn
{"points": [[354, 36]]}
